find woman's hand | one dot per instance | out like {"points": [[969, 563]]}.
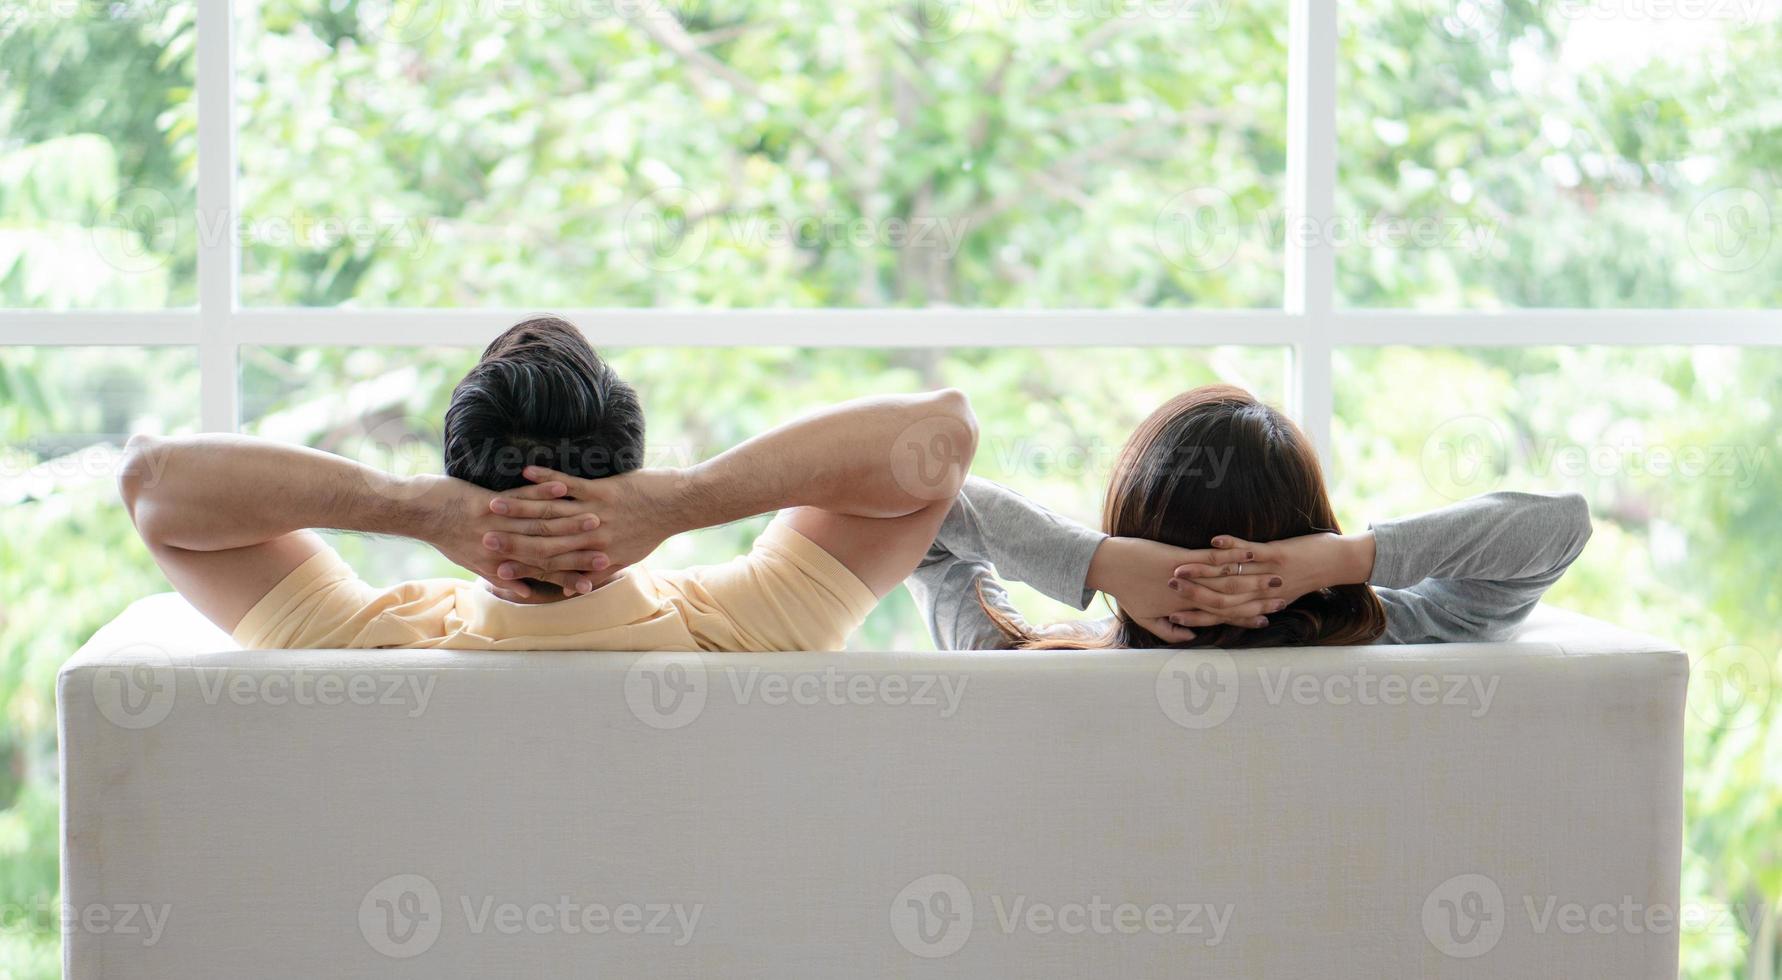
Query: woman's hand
{"points": [[631, 515], [464, 519], [1254, 579], [1138, 572]]}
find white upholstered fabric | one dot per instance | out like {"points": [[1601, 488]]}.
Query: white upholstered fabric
{"points": [[441, 814]]}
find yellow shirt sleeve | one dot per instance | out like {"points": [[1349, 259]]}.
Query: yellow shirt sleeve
{"points": [[323, 604], [785, 594]]}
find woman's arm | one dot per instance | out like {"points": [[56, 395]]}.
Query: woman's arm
{"points": [[1476, 569], [993, 530], [1470, 571]]}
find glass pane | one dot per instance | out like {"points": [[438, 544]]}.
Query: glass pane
{"points": [[1677, 450], [97, 155], [1051, 421], [69, 563], [1559, 153], [740, 153]]}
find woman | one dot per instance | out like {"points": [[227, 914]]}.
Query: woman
{"points": [[1219, 533]]}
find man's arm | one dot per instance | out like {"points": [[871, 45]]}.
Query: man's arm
{"points": [[228, 517], [868, 481]]}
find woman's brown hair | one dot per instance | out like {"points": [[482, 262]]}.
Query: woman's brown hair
{"points": [[1215, 461]]}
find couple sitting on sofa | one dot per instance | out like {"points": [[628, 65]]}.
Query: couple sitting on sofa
{"points": [[1217, 531]]}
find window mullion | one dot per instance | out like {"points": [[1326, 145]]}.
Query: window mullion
{"points": [[1311, 205], [219, 259]]}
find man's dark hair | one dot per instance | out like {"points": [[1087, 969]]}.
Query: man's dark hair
{"points": [[540, 396]]}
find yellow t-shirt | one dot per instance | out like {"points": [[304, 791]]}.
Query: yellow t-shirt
{"points": [[785, 594]]}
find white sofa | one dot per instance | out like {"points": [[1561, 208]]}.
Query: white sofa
{"points": [[1471, 810]]}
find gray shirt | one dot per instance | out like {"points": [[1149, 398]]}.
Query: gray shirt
{"points": [[1469, 571]]}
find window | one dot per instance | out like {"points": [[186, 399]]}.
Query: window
{"points": [[1468, 243], [728, 153]]}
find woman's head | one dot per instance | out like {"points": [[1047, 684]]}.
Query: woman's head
{"points": [[1215, 461]]}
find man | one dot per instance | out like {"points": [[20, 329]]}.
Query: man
{"points": [[545, 496]]}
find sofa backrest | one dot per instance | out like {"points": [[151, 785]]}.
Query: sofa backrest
{"points": [[1468, 810]]}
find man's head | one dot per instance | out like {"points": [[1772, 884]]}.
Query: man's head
{"points": [[540, 396]]}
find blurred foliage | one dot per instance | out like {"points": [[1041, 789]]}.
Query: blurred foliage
{"points": [[1559, 153], [736, 153]]}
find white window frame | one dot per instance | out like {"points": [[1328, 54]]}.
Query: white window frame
{"points": [[1309, 323]]}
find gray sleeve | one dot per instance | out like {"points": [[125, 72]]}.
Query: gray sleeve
{"points": [[1476, 569], [992, 531]]}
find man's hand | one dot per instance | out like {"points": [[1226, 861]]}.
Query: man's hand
{"points": [[633, 514], [466, 521], [1241, 582]]}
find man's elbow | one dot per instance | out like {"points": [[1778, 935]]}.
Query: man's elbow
{"points": [[959, 431], [140, 479]]}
